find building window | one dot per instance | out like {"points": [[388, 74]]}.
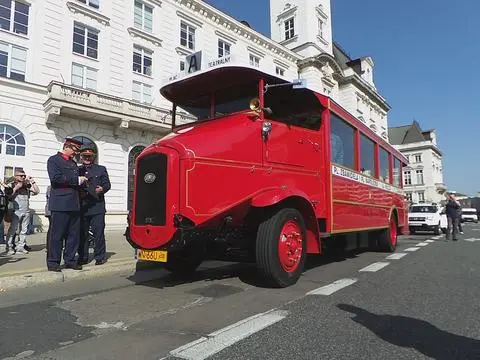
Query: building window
{"points": [[408, 195], [384, 166], [342, 150], [223, 48], [13, 61], [421, 196], [84, 76], [85, 41], [142, 61], [182, 65], [92, 3], [12, 141], [407, 177], [320, 28], [419, 177], [142, 92], [279, 71], [418, 158], [187, 36], [367, 156], [254, 60], [14, 16], [143, 16], [289, 29]]}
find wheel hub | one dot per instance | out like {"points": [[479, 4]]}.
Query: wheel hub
{"points": [[290, 246]]}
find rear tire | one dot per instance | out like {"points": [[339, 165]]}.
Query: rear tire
{"points": [[281, 247], [388, 237]]}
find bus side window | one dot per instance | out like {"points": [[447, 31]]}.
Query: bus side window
{"points": [[341, 142]]}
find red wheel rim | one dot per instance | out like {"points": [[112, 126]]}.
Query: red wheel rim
{"points": [[290, 246], [393, 232]]}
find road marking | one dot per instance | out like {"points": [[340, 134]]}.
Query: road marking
{"points": [[430, 241], [213, 343], [472, 239], [396, 256], [374, 267], [437, 237], [422, 244], [333, 287], [412, 249]]}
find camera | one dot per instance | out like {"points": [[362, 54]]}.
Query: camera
{"points": [[25, 184]]}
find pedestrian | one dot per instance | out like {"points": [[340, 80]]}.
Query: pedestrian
{"points": [[451, 209], [3, 209], [64, 205], [23, 187], [93, 207], [460, 230], [48, 213]]}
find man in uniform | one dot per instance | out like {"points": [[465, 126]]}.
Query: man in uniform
{"points": [[93, 207], [64, 205]]}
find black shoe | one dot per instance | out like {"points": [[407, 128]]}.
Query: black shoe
{"points": [[100, 262], [55, 269], [455, 240], [74, 267], [82, 262], [28, 248]]}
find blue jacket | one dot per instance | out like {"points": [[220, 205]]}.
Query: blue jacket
{"points": [[63, 174], [92, 203]]}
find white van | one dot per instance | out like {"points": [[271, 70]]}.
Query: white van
{"points": [[425, 217], [469, 214]]}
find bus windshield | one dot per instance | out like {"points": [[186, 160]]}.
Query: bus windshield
{"points": [[220, 103]]}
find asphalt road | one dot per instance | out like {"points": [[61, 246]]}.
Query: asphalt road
{"points": [[422, 305]]}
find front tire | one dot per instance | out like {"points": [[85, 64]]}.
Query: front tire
{"points": [[281, 247], [437, 230]]}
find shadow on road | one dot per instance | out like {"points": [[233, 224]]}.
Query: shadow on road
{"points": [[245, 272], [417, 334]]}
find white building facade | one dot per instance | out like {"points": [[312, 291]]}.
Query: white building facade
{"points": [[423, 176], [92, 69]]}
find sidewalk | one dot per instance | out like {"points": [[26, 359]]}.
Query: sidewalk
{"points": [[24, 270]]}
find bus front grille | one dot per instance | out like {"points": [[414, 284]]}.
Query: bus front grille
{"points": [[151, 190]]}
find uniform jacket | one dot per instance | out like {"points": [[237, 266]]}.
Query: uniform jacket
{"points": [[64, 193], [92, 203]]}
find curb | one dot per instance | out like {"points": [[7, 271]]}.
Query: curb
{"points": [[48, 277]]}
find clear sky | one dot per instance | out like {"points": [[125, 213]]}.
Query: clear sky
{"points": [[427, 66]]}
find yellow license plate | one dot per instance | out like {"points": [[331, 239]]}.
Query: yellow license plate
{"points": [[152, 255]]}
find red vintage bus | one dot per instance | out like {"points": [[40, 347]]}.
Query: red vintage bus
{"points": [[269, 172]]}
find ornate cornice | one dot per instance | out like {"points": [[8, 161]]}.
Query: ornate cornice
{"points": [[138, 33], [77, 8], [320, 61], [366, 88]]}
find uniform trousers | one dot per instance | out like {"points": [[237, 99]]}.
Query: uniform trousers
{"points": [[64, 225], [97, 223]]}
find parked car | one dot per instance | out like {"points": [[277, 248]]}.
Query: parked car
{"points": [[469, 214], [425, 217]]}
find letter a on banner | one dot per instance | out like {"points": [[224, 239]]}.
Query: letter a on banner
{"points": [[194, 62]]}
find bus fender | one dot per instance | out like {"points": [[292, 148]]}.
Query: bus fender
{"points": [[298, 200]]}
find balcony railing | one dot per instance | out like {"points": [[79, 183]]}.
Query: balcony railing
{"points": [[66, 99]]}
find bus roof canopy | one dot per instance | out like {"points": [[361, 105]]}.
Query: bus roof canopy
{"points": [[214, 80]]}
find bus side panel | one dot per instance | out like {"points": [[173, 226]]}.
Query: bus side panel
{"points": [[350, 205]]}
